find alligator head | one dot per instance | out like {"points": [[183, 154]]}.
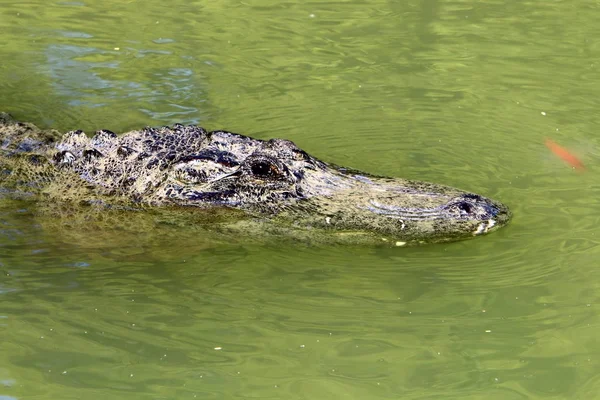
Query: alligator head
{"points": [[276, 178], [187, 166]]}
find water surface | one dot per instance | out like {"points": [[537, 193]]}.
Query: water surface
{"points": [[454, 92]]}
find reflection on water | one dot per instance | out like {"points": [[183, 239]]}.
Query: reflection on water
{"points": [[78, 74], [221, 320], [72, 77]]}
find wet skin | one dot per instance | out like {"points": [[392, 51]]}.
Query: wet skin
{"points": [[188, 166]]}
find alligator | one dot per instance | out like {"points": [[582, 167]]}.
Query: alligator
{"points": [[187, 166]]}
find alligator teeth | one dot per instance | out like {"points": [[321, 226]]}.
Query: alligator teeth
{"points": [[484, 227]]}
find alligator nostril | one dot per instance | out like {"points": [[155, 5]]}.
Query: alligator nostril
{"points": [[466, 207]]}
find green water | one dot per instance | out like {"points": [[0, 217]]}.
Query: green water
{"points": [[455, 92]]}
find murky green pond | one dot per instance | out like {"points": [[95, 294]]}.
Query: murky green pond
{"points": [[455, 92]]}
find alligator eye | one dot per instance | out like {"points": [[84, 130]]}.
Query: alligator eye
{"points": [[264, 169]]}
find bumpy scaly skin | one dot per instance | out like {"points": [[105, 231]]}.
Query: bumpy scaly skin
{"points": [[188, 166]]}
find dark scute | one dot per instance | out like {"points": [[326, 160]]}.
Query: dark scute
{"points": [[91, 154], [299, 174], [472, 196], [128, 182], [221, 157], [62, 156], [152, 163], [124, 151], [301, 155], [110, 134], [58, 156]]}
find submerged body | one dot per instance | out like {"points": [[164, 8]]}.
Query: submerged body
{"points": [[274, 179]]}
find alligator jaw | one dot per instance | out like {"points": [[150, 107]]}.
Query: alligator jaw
{"points": [[406, 212]]}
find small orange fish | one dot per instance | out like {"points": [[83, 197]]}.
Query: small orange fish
{"points": [[565, 155]]}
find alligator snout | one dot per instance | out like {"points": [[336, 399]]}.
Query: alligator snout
{"points": [[418, 212], [473, 207]]}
